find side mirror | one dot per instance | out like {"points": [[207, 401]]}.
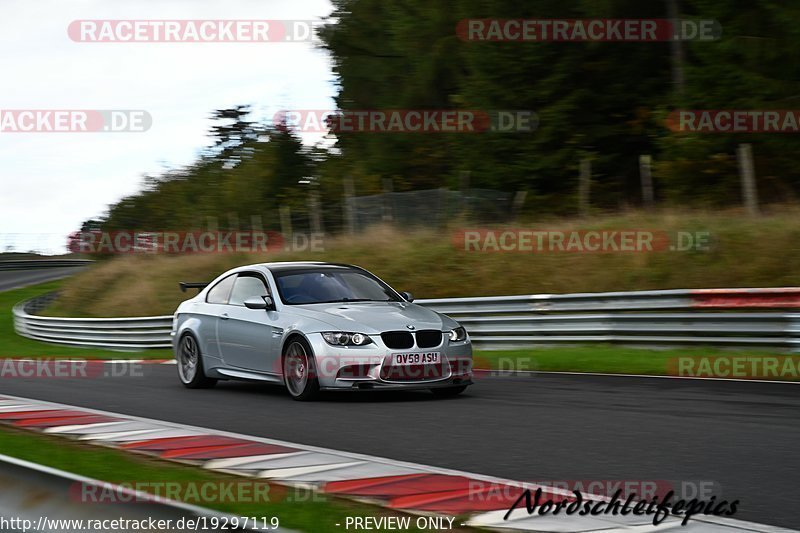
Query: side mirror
{"points": [[260, 302], [407, 296]]}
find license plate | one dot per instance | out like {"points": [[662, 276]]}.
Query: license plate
{"points": [[427, 358]]}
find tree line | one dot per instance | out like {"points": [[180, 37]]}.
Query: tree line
{"points": [[603, 102]]}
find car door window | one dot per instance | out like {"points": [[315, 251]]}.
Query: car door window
{"points": [[219, 292], [247, 286]]}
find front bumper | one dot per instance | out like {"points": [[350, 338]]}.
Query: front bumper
{"points": [[370, 367]]}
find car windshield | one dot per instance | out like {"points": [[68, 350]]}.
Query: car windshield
{"points": [[331, 285]]}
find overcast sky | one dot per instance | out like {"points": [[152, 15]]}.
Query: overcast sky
{"points": [[51, 182]]}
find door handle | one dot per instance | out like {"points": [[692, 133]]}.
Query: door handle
{"points": [[224, 316]]}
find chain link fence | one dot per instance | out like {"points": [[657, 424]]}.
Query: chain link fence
{"points": [[430, 208]]}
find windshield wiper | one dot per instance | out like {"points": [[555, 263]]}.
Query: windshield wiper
{"points": [[349, 300], [345, 300]]}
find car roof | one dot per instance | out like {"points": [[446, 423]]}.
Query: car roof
{"points": [[284, 266]]}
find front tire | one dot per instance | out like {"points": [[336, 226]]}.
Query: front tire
{"points": [[299, 370], [449, 392], [190, 365]]}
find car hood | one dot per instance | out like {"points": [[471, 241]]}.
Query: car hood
{"points": [[374, 317]]}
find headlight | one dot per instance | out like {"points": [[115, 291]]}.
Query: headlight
{"points": [[343, 338], [457, 335]]}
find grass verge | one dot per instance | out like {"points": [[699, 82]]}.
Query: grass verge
{"points": [[13, 345], [296, 509], [622, 360]]}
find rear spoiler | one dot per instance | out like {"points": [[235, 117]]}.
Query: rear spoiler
{"points": [[189, 285]]}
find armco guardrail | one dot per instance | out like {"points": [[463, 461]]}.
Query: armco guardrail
{"points": [[114, 333], [657, 318], [723, 317], [28, 264]]}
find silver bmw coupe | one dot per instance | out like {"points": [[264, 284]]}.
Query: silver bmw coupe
{"points": [[315, 326]]}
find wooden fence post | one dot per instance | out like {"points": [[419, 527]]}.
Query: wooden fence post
{"points": [[645, 173], [463, 187], [313, 211], [286, 221], [387, 200], [749, 191], [349, 208], [584, 185], [519, 201]]}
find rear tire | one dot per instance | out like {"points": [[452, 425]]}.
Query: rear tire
{"points": [[190, 364], [300, 371], [449, 392]]}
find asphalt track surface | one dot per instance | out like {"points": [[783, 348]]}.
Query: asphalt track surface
{"points": [[743, 437], [11, 279]]}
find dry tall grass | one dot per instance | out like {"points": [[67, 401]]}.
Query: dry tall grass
{"points": [[745, 252]]}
